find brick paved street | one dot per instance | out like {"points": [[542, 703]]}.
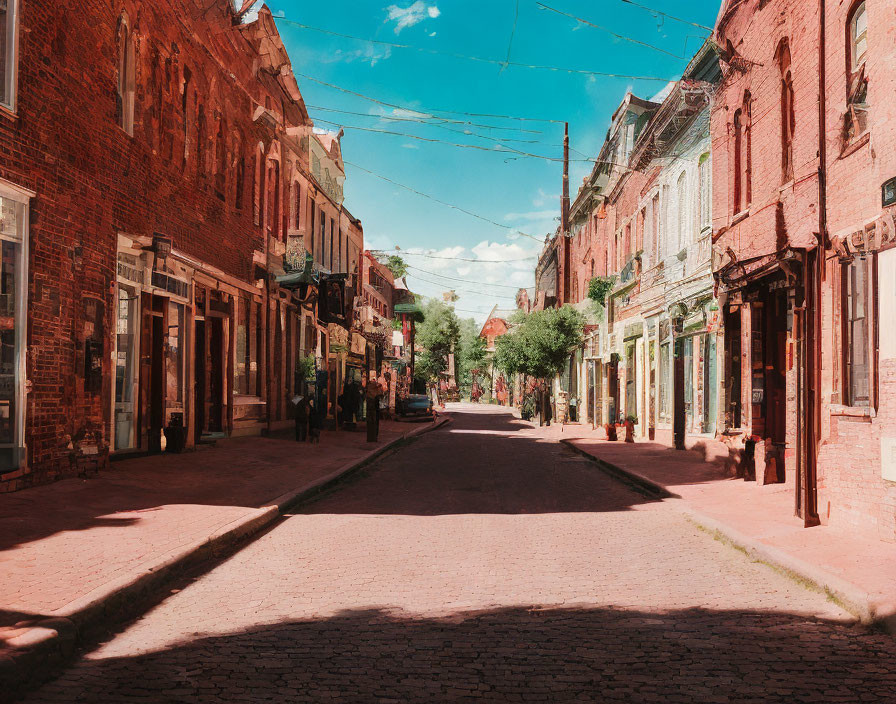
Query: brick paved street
{"points": [[484, 562]]}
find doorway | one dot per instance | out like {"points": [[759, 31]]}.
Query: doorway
{"points": [[199, 379], [613, 390], [156, 381]]}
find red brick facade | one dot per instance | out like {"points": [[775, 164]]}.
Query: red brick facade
{"points": [[212, 161]]}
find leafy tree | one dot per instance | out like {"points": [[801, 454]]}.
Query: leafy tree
{"points": [[396, 265], [539, 343], [472, 353], [437, 335]]}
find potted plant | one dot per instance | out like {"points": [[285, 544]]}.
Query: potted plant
{"points": [[630, 423], [611, 432]]}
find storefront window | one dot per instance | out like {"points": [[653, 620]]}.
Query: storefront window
{"points": [[126, 333], [665, 373], [241, 367], [174, 357], [689, 392], [12, 277]]}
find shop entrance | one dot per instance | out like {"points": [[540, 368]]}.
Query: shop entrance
{"points": [[613, 390], [152, 371], [209, 376], [769, 380]]}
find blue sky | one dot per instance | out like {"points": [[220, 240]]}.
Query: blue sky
{"points": [[521, 193]]}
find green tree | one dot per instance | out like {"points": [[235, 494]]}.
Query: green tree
{"points": [[395, 264], [539, 343], [472, 354], [437, 335]]}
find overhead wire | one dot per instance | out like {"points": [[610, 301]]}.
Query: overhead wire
{"points": [[449, 205], [621, 37], [505, 150], [467, 281], [447, 287], [427, 112], [481, 59], [423, 120], [666, 14], [459, 259]]}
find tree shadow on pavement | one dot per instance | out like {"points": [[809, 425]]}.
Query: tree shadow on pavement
{"points": [[509, 654]]}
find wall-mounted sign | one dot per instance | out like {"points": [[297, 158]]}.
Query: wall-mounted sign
{"points": [[888, 192]]}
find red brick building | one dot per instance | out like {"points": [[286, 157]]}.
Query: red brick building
{"points": [[803, 234], [154, 172]]}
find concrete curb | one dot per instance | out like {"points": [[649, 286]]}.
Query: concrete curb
{"points": [[641, 483], [49, 642], [848, 596]]}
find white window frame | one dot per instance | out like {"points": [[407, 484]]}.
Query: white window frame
{"points": [[12, 48], [859, 11], [704, 169], [22, 196]]}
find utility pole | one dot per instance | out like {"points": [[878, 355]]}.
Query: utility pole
{"points": [[564, 220]]}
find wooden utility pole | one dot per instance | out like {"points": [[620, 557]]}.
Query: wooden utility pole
{"points": [[564, 221]]}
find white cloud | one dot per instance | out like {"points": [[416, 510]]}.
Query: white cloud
{"points": [[409, 16], [544, 197], [368, 55], [409, 145]]}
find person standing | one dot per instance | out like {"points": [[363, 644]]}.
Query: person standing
{"points": [[372, 398], [302, 418], [547, 413]]}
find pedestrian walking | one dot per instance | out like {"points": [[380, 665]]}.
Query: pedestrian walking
{"points": [[372, 398]]}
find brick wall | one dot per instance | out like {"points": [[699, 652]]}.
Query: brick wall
{"points": [[94, 181]]}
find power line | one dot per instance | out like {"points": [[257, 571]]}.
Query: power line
{"points": [[506, 149], [608, 31], [666, 14], [467, 281], [449, 205], [459, 259], [480, 59], [424, 112], [424, 120], [465, 290]]}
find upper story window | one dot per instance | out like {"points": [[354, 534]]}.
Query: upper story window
{"points": [[296, 205], [788, 114], [705, 174], [9, 11], [855, 319], [743, 186], [858, 35], [126, 73], [856, 119], [682, 195]]}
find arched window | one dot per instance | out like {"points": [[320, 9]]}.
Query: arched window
{"points": [[788, 115], [200, 141], [743, 187], [857, 82], [126, 76], [220, 160], [296, 205], [259, 184], [705, 176], [683, 211], [858, 36], [184, 107], [239, 160], [272, 207]]}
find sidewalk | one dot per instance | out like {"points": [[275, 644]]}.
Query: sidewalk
{"points": [[72, 551], [856, 569]]}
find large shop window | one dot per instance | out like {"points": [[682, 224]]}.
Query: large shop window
{"points": [[243, 362], [8, 49], [855, 322], [12, 330], [128, 316], [665, 415], [174, 357]]}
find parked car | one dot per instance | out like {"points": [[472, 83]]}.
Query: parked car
{"points": [[415, 406]]}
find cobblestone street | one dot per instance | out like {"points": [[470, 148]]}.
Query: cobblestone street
{"points": [[484, 561]]}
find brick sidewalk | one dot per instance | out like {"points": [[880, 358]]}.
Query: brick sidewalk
{"points": [[63, 546], [858, 568]]}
